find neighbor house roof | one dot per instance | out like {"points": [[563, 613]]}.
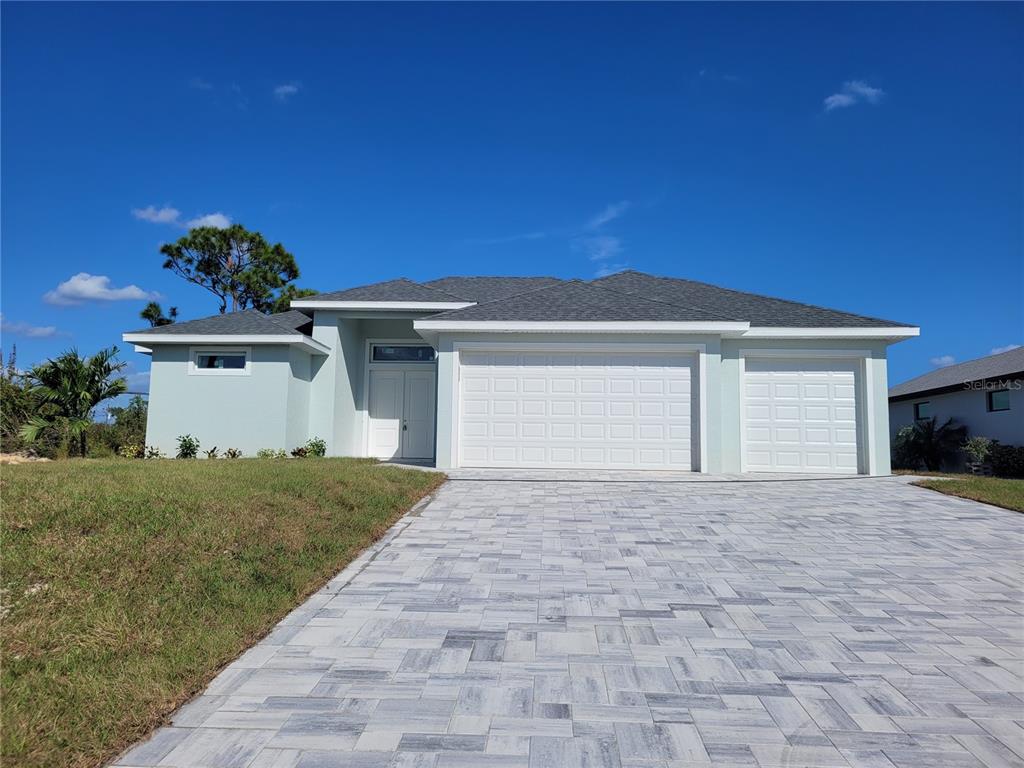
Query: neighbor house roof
{"points": [[248, 322], [994, 367], [762, 311]]}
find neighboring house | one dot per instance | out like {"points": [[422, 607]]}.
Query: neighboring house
{"points": [[985, 395], [627, 371]]}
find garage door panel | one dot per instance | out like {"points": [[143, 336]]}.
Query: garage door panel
{"points": [[800, 416], [577, 410]]}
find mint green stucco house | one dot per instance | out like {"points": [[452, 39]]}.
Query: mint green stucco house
{"points": [[629, 371]]}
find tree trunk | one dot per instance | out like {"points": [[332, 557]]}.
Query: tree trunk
{"points": [[82, 439]]}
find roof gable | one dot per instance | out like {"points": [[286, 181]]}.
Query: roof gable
{"points": [[764, 311]]}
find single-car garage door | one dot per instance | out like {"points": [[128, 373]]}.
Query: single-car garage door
{"points": [[581, 409], [800, 416]]}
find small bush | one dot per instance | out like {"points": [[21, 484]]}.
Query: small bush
{"points": [[1007, 460], [232, 453], [316, 446], [271, 453], [188, 447], [902, 450], [977, 449], [212, 453], [300, 452], [152, 452], [132, 451]]}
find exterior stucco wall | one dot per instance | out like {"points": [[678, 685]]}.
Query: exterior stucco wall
{"points": [[337, 411], [265, 409], [970, 408]]}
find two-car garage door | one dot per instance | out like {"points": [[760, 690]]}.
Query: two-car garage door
{"points": [[578, 410]]}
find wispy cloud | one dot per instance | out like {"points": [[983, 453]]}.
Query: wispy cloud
{"points": [[943, 361], [1007, 348], [611, 212], [27, 330], [200, 84], [285, 91], [218, 220], [151, 213], [853, 92], [610, 269], [169, 215], [84, 287], [600, 247]]}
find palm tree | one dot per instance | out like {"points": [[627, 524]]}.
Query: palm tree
{"points": [[154, 314], [934, 444], [69, 388]]}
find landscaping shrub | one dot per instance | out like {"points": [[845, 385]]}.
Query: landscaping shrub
{"points": [[152, 452], [232, 453], [1007, 460], [132, 451], [300, 452], [902, 451], [977, 449], [271, 453], [212, 453], [188, 447], [316, 446]]}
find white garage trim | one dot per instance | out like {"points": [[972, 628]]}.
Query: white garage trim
{"points": [[697, 350], [865, 396]]}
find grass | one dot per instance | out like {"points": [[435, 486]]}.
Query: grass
{"points": [[998, 491], [128, 584]]}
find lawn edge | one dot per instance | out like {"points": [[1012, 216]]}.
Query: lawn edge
{"points": [[367, 554], [995, 505]]}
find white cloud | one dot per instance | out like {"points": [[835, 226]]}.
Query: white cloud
{"points": [[1007, 348], [286, 91], [27, 330], [200, 84], [611, 212], [610, 269], [165, 215], [169, 215], [600, 247], [943, 361], [85, 287], [853, 92], [218, 220]]}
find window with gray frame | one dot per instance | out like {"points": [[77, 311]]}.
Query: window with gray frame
{"points": [[922, 410], [998, 400]]}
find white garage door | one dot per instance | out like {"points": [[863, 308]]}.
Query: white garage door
{"points": [[800, 416], [586, 410]]}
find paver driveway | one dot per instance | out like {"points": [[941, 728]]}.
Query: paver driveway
{"points": [[826, 623]]}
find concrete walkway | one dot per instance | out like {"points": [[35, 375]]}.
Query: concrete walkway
{"points": [[815, 623]]}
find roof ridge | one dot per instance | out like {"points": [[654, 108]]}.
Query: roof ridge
{"points": [[431, 288], [775, 298], [504, 298], [657, 301]]}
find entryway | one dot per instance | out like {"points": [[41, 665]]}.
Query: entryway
{"points": [[401, 412]]}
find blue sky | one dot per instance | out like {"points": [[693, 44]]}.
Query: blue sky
{"points": [[862, 157]]}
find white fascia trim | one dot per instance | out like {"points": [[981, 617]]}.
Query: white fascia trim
{"points": [[574, 326], [143, 350], [895, 332], [150, 339], [381, 306]]}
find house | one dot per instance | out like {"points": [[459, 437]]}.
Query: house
{"points": [[628, 371], [985, 395]]}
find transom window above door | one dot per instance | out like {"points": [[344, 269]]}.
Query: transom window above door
{"points": [[402, 353]]}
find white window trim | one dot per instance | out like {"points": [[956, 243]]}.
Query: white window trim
{"points": [[194, 352], [699, 351], [382, 306], [369, 365], [867, 459]]}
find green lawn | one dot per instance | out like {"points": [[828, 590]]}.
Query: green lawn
{"points": [[127, 584], [991, 490]]}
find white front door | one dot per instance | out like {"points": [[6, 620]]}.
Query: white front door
{"points": [[625, 410], [800, 416], [401, 412]]}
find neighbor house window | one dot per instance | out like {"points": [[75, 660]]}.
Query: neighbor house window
{"points": [[220, 362], [998, 400], [922, 410], [402, 353]]}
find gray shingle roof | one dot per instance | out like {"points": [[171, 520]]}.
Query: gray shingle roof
{"points": [[995, 367], [401, 289], [737, 305], [577, 300], [248, 323], [481, 289]]}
